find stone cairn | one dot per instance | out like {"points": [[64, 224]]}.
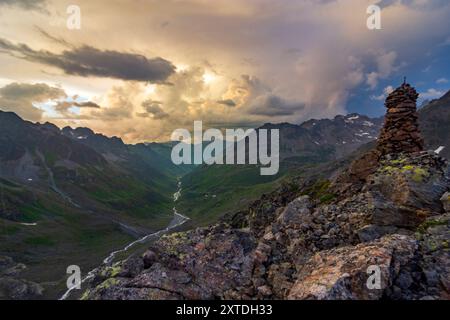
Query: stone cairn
{"points": [[400, 132]]}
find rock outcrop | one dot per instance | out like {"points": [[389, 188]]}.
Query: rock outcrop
{"points": [[11, 284], [307, 248], [342, 273], [317, 240]]}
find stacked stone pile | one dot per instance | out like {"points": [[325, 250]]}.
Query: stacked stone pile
{"points": [[399, 135], [401, 129]]}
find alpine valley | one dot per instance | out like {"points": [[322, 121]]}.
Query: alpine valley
{"points": [[71, 197]]}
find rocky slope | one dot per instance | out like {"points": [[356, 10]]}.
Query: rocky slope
{"points": [[211, 191], [434, 120], [12, 286], [80, 165], [311, 240]]}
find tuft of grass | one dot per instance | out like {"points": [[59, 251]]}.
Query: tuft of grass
{"points": [[320, 191], [107, 283], [327, 198], [431, 223], [419, 174], [50, 158]]}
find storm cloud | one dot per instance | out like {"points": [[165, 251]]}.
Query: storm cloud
{"points": [[64, 106], [88, 61], [227, 102], [153, 109], [296, 60], [271, 105]]}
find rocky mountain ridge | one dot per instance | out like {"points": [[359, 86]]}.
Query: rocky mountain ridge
{"points": [[304, 148], [30, 152], [312, 239]]}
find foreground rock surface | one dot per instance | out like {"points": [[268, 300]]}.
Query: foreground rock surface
{"points": [[386, 216], [343, 273], [307, 248]]}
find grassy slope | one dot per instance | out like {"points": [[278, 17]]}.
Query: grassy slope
{"points": [[63, 236], [84, 236]]}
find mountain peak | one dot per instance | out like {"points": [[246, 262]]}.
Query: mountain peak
{"points": [[9, 115], [446, 96]]}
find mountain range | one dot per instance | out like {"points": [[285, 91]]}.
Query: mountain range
{"points": [[305, 150]]}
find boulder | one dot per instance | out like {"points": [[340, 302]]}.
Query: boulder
{"points": [[344, 273], [372, 232], [149, 257], [11, 284], [294, 211], [406, 189]]}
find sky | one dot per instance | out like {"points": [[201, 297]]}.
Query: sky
{"points": [[141, 69]]}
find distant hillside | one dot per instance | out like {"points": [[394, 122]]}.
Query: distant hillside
{"points": [[434, 121], [211, 191], [88, 168], [73, 195]]}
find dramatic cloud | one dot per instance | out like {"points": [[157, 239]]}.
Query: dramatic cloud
{"points": [[87, 104], [89, 61], [63, 108], [227, 102], [229, 63], [385, 66], [271, 105], [153, 109], [32, 101], [39, 92], [384, 95], [119, 103], [22, 97]]}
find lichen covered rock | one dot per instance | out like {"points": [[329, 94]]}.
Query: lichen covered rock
{"points": [[343, 273], [405, 190]]}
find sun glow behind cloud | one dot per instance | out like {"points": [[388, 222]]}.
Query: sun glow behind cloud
{"points": [[209, 78]]}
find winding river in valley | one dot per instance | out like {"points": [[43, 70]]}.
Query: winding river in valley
{"points": [[177, 220]]}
